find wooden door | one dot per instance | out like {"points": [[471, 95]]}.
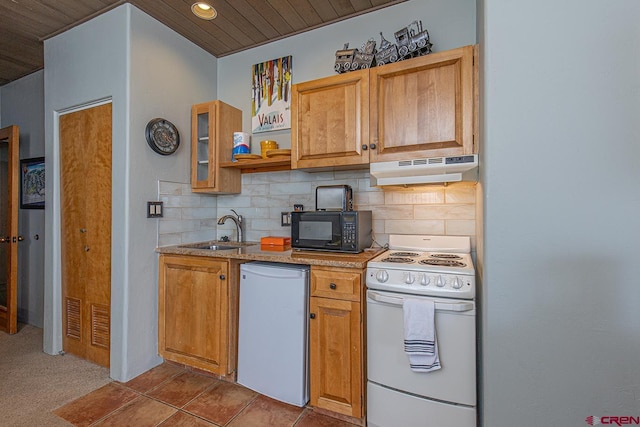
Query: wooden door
{"points": [[85, 182], [193, 311], [424, 106], [335, 352], [9, 167], [329, 121]]}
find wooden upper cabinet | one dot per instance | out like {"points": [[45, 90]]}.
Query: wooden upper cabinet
{"points": [[330, 121], [423, 107], [212, 127], [420, 107]]}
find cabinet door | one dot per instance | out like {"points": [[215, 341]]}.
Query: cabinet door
{"points": [[423, 106], [202, 157], [192, 310], [212, 127], [330, 121], [335, 349]]}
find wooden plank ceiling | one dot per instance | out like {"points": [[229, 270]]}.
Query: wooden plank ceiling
{"points": [[240, 24]]}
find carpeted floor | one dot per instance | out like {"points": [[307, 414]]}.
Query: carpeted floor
{"points": [[33, 383]]}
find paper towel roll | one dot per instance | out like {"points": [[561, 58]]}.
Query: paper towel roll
{"points": [[241, 144]]}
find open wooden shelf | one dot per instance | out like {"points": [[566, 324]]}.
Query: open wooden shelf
{"points": [[260, 165]]}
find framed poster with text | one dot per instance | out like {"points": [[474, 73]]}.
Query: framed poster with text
{"points": [[271, 95]]}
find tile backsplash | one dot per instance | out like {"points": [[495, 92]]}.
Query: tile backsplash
{"points": [[431, 209], [188, 217]]}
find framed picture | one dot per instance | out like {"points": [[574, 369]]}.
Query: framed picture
{"points": [[271, 95], [32, 183]]}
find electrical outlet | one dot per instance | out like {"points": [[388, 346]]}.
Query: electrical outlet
{"points": [[285, 219], [154, 209]]}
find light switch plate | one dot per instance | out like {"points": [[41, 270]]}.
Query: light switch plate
{"points": [[154, 209]]}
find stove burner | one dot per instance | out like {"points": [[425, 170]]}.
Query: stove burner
{"points": [[404, 254], [399, 260], [443, 262], [446, 256]]}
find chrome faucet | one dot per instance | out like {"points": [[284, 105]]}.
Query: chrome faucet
{"points": [[237, 219]]}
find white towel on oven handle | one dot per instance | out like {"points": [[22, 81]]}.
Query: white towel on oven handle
{"points": [[420, 341]]}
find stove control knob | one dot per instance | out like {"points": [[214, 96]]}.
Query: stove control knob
{"points": [[456, 283], [440, 282], [425, 280], [408, 278], [382, 276]]}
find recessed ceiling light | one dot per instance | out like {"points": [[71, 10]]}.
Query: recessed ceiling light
{"points": [[204, 10]]}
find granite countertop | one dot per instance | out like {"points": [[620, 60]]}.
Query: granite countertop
{"points": [[254, 252]]}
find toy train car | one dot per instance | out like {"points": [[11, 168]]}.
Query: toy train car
{"points": [[413, 40], [344, 58], [354, 59], [388, 52]]}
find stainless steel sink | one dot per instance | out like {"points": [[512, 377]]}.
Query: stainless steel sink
{"points": [[214, 246]]}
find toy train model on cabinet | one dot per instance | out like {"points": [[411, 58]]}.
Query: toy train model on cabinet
{"points": [[411, 41], [355, 59]]}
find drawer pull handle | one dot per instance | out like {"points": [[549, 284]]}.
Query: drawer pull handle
{"points": [[312, 315], [332, 285], [364, 147], [222, 277]]}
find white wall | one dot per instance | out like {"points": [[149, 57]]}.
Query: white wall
{"points": [[148, 71], [23, 105], [561, 107], [168, 75]]}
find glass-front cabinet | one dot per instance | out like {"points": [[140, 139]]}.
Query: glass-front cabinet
{"points": [[212, 127]]}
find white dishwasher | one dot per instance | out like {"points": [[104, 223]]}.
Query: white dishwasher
{"points": [[273, 330]]}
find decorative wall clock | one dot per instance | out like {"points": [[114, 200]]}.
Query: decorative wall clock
{"points": [[162, 136]]}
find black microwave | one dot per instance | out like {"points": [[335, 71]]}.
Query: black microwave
{"points": [[336, 231]]}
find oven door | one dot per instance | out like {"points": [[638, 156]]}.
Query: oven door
{"points": [[448, 393]]}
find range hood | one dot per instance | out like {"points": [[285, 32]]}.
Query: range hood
{"points": [[425, 171]]}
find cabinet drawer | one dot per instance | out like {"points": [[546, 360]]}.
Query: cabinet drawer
{"points": [[337, 283]]}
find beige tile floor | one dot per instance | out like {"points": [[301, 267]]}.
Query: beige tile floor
{"points": [[170, 395]]}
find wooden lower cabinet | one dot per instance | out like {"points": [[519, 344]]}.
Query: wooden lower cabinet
{"points": [[197, 312], [336, 350]]}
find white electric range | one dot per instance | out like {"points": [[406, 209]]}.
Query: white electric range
{"points": [[437, 268]]}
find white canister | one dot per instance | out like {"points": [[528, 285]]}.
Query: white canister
{"points": [[241, 144]]}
